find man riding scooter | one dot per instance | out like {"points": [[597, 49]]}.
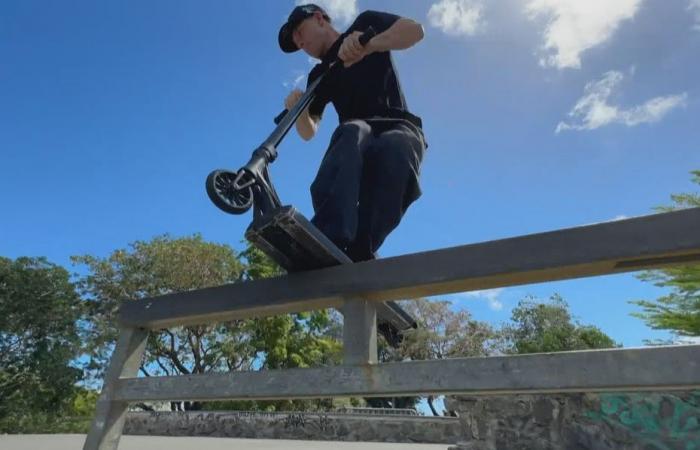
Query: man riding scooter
{"points": [[369, 174]]}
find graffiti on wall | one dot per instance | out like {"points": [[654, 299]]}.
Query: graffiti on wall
{"points": [[661, 421]]}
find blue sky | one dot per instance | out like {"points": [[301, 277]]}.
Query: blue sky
{"points": [[540, 114]]}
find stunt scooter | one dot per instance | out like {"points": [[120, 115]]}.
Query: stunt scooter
{"points": [[282, 232]]}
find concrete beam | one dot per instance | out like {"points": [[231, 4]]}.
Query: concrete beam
{"points": [[653, 368], [611, 247]]}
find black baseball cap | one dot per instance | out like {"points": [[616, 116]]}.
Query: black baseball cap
{"points": [[297, 16]]}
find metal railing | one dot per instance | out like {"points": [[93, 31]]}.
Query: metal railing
{"points": [[613, 247]]}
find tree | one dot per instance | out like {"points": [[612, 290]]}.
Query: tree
{"points": [[292, 340], [162, 266], [443, 332], [39, 309], [538, 327], [678, 311], [306, 339], [165, 265]]}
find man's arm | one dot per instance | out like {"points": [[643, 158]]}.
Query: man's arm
{"points": [[307, 125], [402, 34]]}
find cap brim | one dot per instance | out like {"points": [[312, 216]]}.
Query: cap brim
{"points": [[285, 38]]}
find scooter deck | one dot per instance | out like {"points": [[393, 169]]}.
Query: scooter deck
{"points": [[294, 243]]}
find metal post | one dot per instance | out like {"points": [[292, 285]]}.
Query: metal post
{"points": [[106, 428], [359, 332]]}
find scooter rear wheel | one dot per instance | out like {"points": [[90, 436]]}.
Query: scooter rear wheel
{"points": [[223, 193]]}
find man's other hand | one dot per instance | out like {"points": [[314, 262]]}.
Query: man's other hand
{"points": [[293, 98], [351, 51]]}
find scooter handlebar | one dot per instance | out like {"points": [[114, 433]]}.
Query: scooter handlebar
{"points": [[278, 118], [364, 39]]}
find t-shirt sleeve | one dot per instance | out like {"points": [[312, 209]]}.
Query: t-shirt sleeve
{"points": [[380, 21], [318, 104]]}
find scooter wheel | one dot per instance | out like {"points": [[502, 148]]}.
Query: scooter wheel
{"points": [[221, 191]]}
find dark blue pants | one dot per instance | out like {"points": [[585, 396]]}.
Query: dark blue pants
{"points": [[367, 180]]}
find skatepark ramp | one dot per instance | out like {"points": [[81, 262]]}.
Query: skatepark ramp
{"points": [[640, 243]]}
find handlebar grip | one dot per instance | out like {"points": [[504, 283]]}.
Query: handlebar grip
{"points": [[367, 35], [364, 39], [280, 116]]}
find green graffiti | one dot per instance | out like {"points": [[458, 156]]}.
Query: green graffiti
{"points": [[658, 421]]}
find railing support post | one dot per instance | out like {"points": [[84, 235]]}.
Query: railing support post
{"points": [[359, 332]]}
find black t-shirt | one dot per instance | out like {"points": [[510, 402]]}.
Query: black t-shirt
{"points": [[369, 88]]}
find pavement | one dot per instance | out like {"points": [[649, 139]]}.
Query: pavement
{"points": [[75, 442]]}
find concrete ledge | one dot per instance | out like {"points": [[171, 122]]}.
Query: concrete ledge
{"points": [[74, 441], [306, 426]]}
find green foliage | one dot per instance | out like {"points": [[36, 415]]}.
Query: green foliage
{"points": [[74, 417], [84, 402], [678, 311], [538, 327], [592, 337], [443, 332], [290, 340], [162, 266], [44, 423], [686, 200], [166, 265], [258, 264], [39, 309]]}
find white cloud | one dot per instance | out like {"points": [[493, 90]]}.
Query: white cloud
{"points": [[490, 295], [294, 82], [593, 110], [694, 6], [578, 25], [457, 17], [341, 12]]}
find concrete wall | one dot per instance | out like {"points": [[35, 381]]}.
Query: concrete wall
{"points": [[606, 421], [345, 427]]}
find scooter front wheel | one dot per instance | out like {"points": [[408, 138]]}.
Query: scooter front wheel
{"points": [[222, 191]]}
